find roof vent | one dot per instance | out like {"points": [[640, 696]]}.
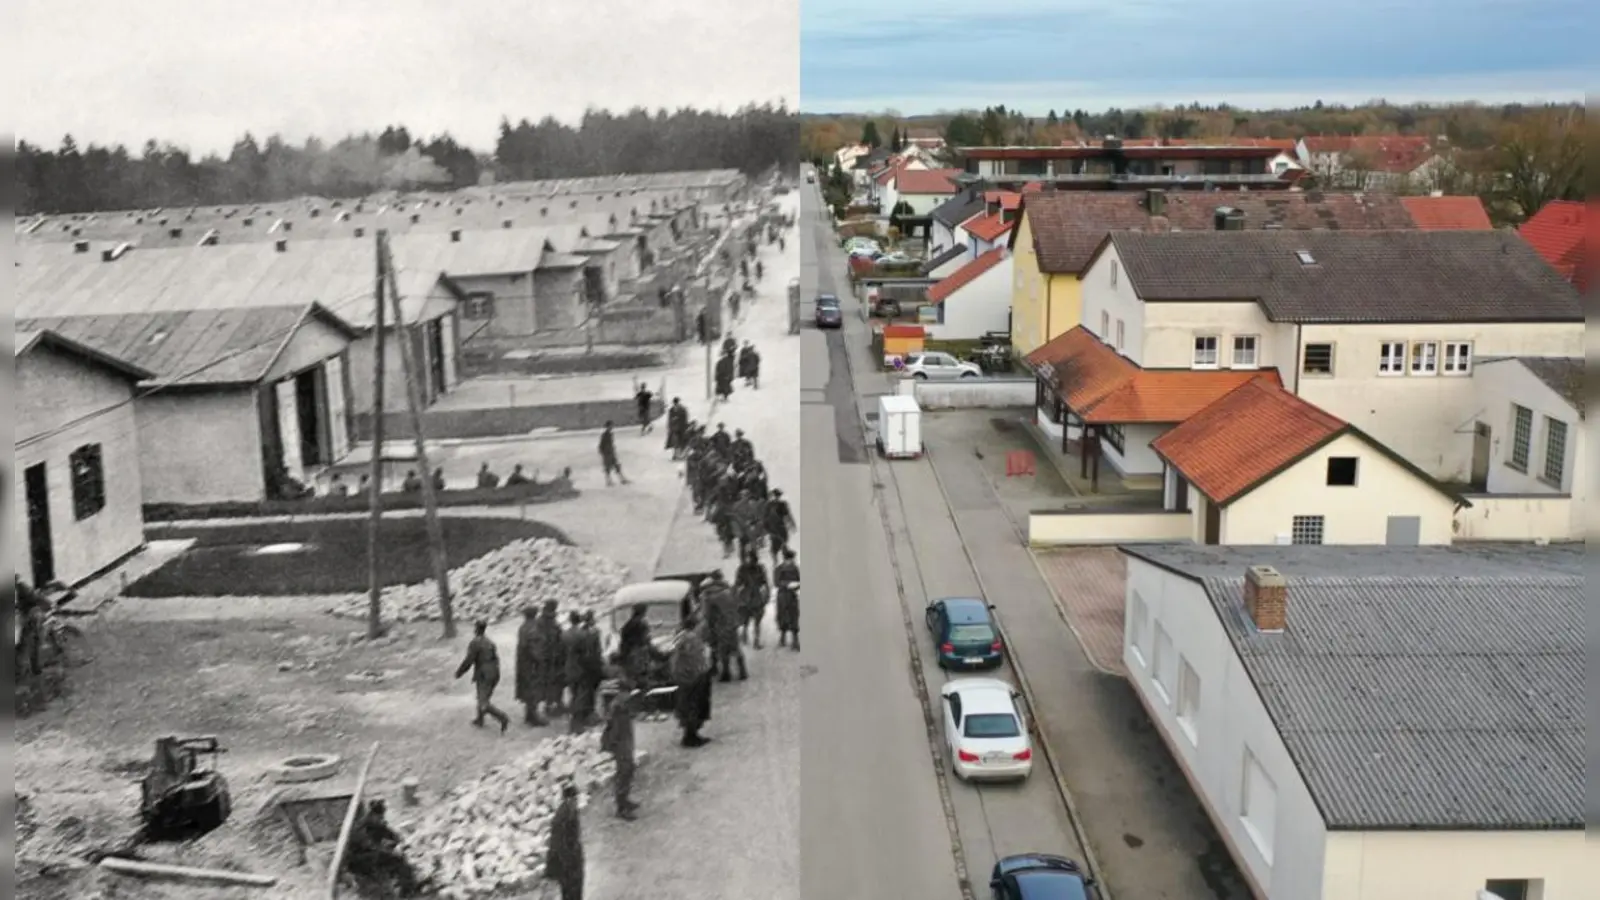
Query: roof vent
{"points": [[1266, 598], [315, 212], [459, 210], [175, 232], [455, 235], [247, 221], [1305, 257], [282, 245], [573, 204], [162, 220], [287, 226], [80, 246], [361, 232], [77, 231], [544, 210], [505, 223], [1229, 219], [210, 239], [415, 218]]}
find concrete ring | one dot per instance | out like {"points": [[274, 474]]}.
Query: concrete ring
{"points": [[305, 767]]}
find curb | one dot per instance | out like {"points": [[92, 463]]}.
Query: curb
{"points": [[1050, 756]]}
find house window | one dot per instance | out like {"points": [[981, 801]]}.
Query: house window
{"points": [[1112, 434], [1161, 665], [1306, 530], [1515, 888], [1521, 437], [1318, 360], [1205, 352], [1458, 358], [1425, 358], [1137, 617], [1113, 274], [1105, 323], [88, 481], [479, 305], [1244, 351], [1188, 700], [1555, 452], [1120, 334], [1392, 358], [1258, 805], [1342, 471]]}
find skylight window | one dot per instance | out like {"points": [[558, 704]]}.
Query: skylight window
{"points": [[1305, 257]]}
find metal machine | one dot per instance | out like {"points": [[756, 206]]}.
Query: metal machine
{"points": [[181, 795]]}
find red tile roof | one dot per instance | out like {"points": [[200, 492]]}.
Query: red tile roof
{"points": [[1394, 153], [1448, 213], [1105, 388], [1245, 438], [987, 228], [926, 181], [1032, 187], [904, 331], [965, 275], [890, 171], [1556, 233]]}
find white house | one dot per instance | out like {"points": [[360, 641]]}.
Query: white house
{"points": [[77, 459], [1380, 328], [989, 231], [920, 188], [1528, 451], [845, 157], [972, 301], [1371, 161], [1373, 723], [946, 220]]}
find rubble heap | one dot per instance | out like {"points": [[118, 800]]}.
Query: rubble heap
{"points": [[490, 835], [499, 584]]}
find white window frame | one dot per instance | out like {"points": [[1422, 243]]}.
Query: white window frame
{"points": [[1113, 274], [1392, 359], [1303, 525], [1215, 352], [1424, 361], [1522, 441], [1234, 359], [1260, 833], [1333, 359], [1137, 629], [1121, 334], [1555, 451], [1105, 324], [1457, 358], [1158, 661], [1187, 709]]}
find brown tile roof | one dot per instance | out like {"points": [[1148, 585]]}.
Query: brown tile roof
{"points": [[1105, 388], [1353, 277], [1393, 153], [965, 275], [1556, 233], [1448, 213], [1008, 200], [988, 228], [926, 181], [1245, 438], [1068, 226]]}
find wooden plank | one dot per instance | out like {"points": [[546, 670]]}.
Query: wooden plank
{"points": [[216, 876], [349, 825]]}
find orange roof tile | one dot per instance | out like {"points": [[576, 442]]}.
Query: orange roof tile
{"points": [[1033, 187], [965, 275], [926, 181], [1244, 438], [1556, 233], [904, 331], [1448, 213], [1396, 153], [1008, 200], [987, 228]]}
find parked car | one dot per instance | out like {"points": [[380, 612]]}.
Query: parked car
{"points": [[985, 730], [895, 259], [829, 314], [886, 307], [1039, 876], [964, 633], [933, 364]]}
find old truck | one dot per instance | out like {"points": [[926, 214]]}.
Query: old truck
{"points": [[667, 599]]}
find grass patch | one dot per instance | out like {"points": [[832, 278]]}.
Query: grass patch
{"points": [[224, 561]]}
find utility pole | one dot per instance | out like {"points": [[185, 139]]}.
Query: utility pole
{"points": [[430, 509], [375, 479]]}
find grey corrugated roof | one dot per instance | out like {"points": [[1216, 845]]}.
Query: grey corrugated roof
{"points": [[1354, 276], [963, 206], [1437, 687], [1562, 374], [935, 262]]}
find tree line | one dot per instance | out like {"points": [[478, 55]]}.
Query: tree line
{"points": [[1517, 157], [72, 178]]}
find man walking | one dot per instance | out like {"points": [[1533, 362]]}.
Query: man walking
{"points": [[779, 522], [483, 661], [724, 376], [722, 623], [608, 456], [677, 427], [585, 669], [787, 578], [526, 675], [617, 740], [642, 401], [750, 583], [691, 673], [550, 659], [633, 644], [564, 862]]}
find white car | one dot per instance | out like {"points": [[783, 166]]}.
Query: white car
{"points": [[932, 364], [985, 731]]}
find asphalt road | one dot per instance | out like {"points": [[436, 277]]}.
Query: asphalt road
{"points": [[867, 757]]}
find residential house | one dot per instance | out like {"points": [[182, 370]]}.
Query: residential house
{"points": [[1372, 161], [1381, 329], [251, 377], [944, 228], [1557, 234], [1057, 232], [1099, 405], [76, 467], [925, 139], [992, 229], [1436, 212], [866, 166], [880, 185], [920, 189], [1262, 466], [1115, 163], [972, 301], [1529, 457], [1373, 723], [845, 157], [945, 263]]}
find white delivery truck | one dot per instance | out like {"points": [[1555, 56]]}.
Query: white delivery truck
{"points": [[899, 426]]}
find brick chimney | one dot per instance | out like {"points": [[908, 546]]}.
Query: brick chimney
{"points": [[455, 235], [1156, 202], [1266, 598]]}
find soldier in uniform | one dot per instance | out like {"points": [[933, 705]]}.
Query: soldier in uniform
{"points": [[787, 578], [722, 621], [692, 676], [747, 513], [617, 740], [779, 522], [724, 376], [721, 440], [756, 480], [677, 427], [483, 661], [750, 583], [529, 691], [750, 366], [741, 447], [564, 862], [725, 519]]}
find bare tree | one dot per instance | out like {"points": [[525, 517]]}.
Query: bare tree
{"points": [[1539, 157]]}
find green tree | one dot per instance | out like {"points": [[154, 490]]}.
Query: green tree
{"points": [[963, 131], [870, 136]]}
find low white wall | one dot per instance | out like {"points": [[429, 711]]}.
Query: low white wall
{"points": [[1065, 528], [1517, 517], [975, 393]]}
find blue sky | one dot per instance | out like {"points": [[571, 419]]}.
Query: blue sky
{"points": [[1035, 55]]}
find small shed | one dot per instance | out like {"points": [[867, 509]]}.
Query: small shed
{"points": [[900, 341]]}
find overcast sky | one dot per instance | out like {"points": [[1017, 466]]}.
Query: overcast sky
{"points": [[202, 72], [920, 56]]}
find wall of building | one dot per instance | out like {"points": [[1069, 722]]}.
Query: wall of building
{"points": [[924, 204], [1521, 517], [1231, 719], [55, 395], [362, 355], [313, 343], [1426, 419], [200, 446], [1500, 384], [1356, 514], [981, 306], [514, 310], [1408, 865], [1136, 458], [1064, 528], [974, 393], [1043, 305], [559, 299]]}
